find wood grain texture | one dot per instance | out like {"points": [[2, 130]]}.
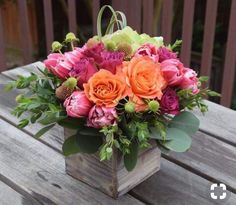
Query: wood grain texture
{"points": [[176, 185], [219, 122], [40, 171], [111, 177], [2, 43], [210, 158], [9, 196]]}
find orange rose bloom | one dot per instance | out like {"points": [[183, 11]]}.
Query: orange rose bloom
{"points": [[145, 79], [105, 89]]}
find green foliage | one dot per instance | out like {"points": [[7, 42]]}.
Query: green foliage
{"points": [[130, 159], [43, 130], [70, 146]]}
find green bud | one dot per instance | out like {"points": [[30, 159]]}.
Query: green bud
{"points": [[71, 82], [153, 105], [19, 98], [129, 107], [109, 150], [56, 46], [204, 109], [70, 37], [110, 45]]}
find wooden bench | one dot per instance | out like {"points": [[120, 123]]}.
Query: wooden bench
{"points": [[33, 172]]}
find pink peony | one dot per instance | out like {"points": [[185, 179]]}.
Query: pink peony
{"points": [[58, 64], [173, 71], [74, 56], [170, 102], [77, 105], [101, 116], [190, 80], [165, 53], [110, 60], [83, 70], [148, 50]]}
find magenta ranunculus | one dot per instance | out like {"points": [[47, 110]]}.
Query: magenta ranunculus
{"points": [[94, 52], [110, 60], [58, 64], [190, 80], [173, 71], [170, 102], [165, 53], [77, 105], [83, 70], [148, 50], [101, 116]]}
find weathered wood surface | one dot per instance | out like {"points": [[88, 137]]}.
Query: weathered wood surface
{"points": [[111, 177], [40, 171], [174, 185], [209, 158], [9, 196]]}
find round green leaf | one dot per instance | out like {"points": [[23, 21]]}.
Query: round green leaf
{"points": [[130, 160], [89, 140], [155, 134], [180, 141], [186, 121], [70, 146]]}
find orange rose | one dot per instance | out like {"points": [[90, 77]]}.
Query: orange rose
{"points": [[105, 89], [145, 80]]}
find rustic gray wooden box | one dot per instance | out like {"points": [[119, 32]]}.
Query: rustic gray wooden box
{"points": [[111, 177]]}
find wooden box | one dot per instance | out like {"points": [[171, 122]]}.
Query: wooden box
{"points": [[111, 177]]}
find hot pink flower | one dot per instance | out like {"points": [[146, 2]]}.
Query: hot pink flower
{"points": [[110, 60], [170, 102], [173, 71], [165, 53], [101, 116], [58, 64], [190, 80], [77, 105], [83, 70], [74, 56], [94, 52], [148, 50]]}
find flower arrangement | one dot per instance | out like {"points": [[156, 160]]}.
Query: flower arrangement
{"points": [[120, 90]]}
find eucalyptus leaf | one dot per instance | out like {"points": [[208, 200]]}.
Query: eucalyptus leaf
{"points": [[155, 134], [72, 123], [70, 146], [180, 141], [130, 159], [43, 131], [51, 117], [186, 121], [89, 140]]}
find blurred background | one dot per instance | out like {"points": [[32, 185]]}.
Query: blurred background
{"points": [[207, 27]]}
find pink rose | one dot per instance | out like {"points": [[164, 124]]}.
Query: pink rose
{"points": [[165, 53], [101, 116], [173, 71], [77, 105], [58, 64], [170, 102], [83, 70], [148, 50], [190, 80]]}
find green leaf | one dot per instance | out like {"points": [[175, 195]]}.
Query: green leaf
{"points": [[23, 123], [9, 87], [203, 78], [130, 159], [70, 146], [213, 93], [155, 134], [163, 149], [51, 117], [43, 131], [180, 142], [186, 121], [89, 140], [35, 117], [72, 123]]}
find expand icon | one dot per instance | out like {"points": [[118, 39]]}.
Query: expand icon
{"points": [[218, 191]]}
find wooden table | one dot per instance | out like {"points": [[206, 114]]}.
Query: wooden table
{"points": [[33, 172]]}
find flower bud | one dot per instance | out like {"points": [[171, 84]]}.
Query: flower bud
{"points": [[63, 92], [126, 48], [71, 82], [153, 105], [56, 46], [92, 42], [70, 37], [130, 107], [19, 98], [110, 45]]}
